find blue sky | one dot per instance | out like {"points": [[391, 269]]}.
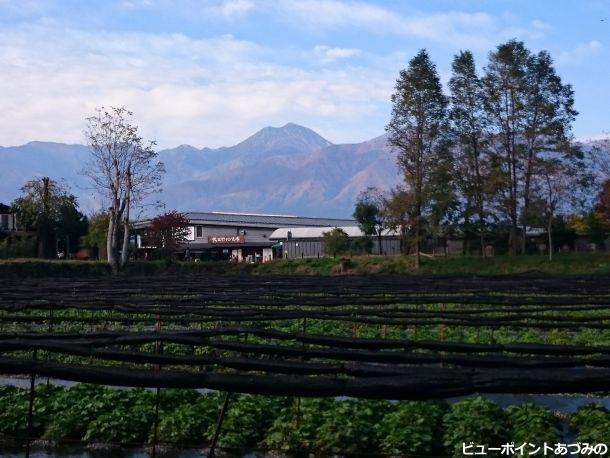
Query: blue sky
{"points": [[210, 73]]}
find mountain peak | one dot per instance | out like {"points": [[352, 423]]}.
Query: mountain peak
{"points": [[291, 138], [295, 126], [289, 126]]}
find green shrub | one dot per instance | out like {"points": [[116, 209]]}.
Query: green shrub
{"points": [[335, 242], [14, 406], [186, 423], [171, 398], [413, 427], [17, 247], [246, 421], [348, 427], [592, 423], [474, 420], [127, 421], [534, 424], [13, 411], [39, 268], [101, 414], [295, 430], [77, 407]]}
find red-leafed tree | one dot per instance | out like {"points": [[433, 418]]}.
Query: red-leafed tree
{"points": [[167, 232]]}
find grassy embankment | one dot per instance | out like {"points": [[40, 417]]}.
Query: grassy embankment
{"points": [[582, 263]]}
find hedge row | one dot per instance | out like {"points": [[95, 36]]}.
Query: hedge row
{"points": [[90, 413], [33, 268], [577, 263]]}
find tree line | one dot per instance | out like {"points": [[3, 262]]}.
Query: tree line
{"points": [[495, 153], [51, 226]]}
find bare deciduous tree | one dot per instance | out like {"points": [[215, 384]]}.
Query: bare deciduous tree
{"points": [[125, 170], [600, 156], [558, 186], [555, 182]]}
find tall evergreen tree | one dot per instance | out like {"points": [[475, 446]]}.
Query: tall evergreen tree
{"points": [[418, 130], [530, 112], [505, 85], [549, 116], [469, 124]]}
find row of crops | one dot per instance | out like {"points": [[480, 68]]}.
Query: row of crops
{"points": [[412, 338], [94, 414]]}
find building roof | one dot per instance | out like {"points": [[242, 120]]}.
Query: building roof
{"points": [[317, 232], [264, 220], [4, 208], [312, 232]]}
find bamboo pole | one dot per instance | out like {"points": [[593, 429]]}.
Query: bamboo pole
{"points": [[31, 405], [221, 417], [158, 349]]}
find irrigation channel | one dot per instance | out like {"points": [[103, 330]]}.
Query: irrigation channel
{"points": [[378, 337]]}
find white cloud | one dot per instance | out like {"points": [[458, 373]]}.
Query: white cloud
{"points": [[227, 9], [541, 25], [331, 13], [327, 54], [212, 91], [580, 52], [206, 92], [24, 8], [477, 30], [135, 4], [232, 8]]}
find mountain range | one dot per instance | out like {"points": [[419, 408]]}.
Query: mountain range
{"points": [[289, 170]]}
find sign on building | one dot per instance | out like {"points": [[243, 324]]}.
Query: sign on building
{"points": [[225, 239], [190, 235]]}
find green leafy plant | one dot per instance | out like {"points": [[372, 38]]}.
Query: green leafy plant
{"points": [[246, 421], [14, 406], [186, 423], [295, 428], [13, 411], [348, 427], [474, 420], [413, 427], [171, 398], [592, 423], [76, 408], [530, 423], [128, 421]]}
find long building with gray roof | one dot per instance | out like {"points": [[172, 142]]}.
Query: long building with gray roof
{"points": [[236, 236]]}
